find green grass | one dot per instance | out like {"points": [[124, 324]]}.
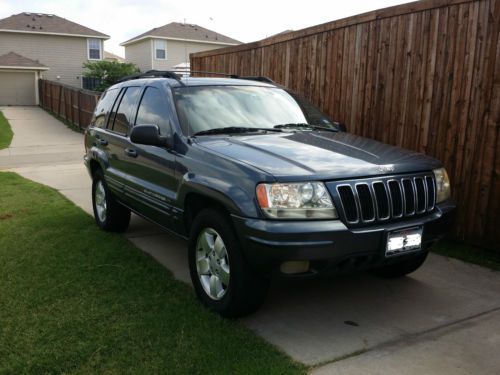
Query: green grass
{"points": [[483, 257], [74, 299], [5, 132]]}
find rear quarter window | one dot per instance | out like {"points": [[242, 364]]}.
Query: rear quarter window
{"points": [[104, 107]]}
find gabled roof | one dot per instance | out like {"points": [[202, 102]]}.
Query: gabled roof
{"points": [[40, 23], [111, 56], [13, 60], [181, 31]]}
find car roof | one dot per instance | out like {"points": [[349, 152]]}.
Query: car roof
{"points": [[194, 81]]}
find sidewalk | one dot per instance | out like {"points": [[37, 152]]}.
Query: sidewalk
{"points": [[444, 318]]}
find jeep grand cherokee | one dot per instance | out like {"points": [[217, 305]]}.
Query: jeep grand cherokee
{"points": [[260, 182]]}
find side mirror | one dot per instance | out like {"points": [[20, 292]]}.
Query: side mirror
{"points": [[149, 135]]}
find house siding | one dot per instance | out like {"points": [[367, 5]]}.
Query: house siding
{"points": [[64, 55], [176, 53], [140, 54]]}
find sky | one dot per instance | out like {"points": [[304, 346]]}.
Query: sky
{"points": [[245, 21]]}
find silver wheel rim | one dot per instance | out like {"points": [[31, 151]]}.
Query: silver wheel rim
{"points": [[100, 201], [212, 263]]}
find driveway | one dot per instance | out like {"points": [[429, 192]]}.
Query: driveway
{"points": [[444, 318]]}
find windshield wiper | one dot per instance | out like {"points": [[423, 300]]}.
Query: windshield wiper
{"points": [[304, 126], [234, 130]]}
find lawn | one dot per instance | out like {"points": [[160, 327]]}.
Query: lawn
{"points": [[78, 300], [5, 132], [483, 257]]}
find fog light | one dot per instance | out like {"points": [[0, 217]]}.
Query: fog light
{"points": [[294, 267]]}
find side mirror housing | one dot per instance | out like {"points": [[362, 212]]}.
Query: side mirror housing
{"points": [[149, 135]]}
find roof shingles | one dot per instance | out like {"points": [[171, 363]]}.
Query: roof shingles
{"points": [[46, 23], [178, 30], [14, 60]]}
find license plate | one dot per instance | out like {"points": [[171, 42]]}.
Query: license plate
{"points": [[403, 241]]}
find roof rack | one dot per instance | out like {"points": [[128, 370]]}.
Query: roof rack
{"points": [[254, 78], [152, 74]]}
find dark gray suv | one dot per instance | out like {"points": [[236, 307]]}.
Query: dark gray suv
{"points": [[259, 182]]}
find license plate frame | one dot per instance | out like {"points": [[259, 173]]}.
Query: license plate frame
{"points": [[403, 241]]}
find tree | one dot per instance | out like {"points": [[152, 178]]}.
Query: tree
{"points": [[108, 72]]}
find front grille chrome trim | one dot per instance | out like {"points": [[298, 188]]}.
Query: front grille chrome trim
{"points": [[380, 199]]}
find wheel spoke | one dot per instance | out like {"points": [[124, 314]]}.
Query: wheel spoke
{"points": [[206, 242], [213, 286], [220, 248], [203, 266], [224, 274]]}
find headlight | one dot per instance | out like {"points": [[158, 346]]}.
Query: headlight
{"points": [[443, 191], [309, 200]]}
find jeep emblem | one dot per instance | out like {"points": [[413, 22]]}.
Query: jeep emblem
{"points": [[386, 168]]}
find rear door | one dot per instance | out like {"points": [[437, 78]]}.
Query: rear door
{"points": [[153, 182], [118, 173]]}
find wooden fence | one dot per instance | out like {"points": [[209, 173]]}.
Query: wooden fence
{"points": [[423, 75], [70, 103]]}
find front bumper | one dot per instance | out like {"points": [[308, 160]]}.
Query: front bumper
{"points": [[329, 245]]}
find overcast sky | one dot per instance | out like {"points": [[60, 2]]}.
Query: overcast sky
{"points": [[246, 21]]}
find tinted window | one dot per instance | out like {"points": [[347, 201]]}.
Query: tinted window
{"points": [[125, 112], [153, 110], [208, 107], [104, 107]]}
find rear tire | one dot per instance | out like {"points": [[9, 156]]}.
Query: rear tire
{"points": [[222, 279], [109, 215], [402, 268]]}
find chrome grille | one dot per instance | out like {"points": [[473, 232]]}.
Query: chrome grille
{"points": [[380, 199]]}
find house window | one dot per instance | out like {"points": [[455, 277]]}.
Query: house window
{"points": [[160, 50], [94, 46]]}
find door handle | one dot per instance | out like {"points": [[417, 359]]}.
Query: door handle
{"points": [[131, 152], [103, 142]]}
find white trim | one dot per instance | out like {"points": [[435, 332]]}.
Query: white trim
{"points": [[23, 67], [154, 50], [37, 99], [101, 50], [48, 33], [181, 39]]}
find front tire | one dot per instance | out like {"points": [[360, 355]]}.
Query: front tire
{"points": [[402, 268], [109, 215], [222, 279]]}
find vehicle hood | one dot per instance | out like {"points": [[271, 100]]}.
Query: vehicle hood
{"points": [[318, 154]]}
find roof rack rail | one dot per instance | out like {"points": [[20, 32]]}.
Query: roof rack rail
{"points": [[236, 76], [254, 78], [152, 74]]}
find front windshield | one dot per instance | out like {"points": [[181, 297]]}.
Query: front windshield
{"points": [[203, 108]]}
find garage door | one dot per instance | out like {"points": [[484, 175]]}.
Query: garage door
{"points": [[17, 88]]}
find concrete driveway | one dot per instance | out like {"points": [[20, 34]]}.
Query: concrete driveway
{"points": [[445, 318]]}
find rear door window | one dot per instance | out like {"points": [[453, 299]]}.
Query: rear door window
{"points": [[126, 110], [104, 107], [153, 110]]}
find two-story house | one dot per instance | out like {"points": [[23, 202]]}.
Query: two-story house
{"points": [[164, 47], [33, 45]]}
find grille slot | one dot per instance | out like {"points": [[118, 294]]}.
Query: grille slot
{"points": [[365, 202], [349, 203], [431, 193], [421, 195], [409, 197], [390, 198], [396, 198], [382, 200]]}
